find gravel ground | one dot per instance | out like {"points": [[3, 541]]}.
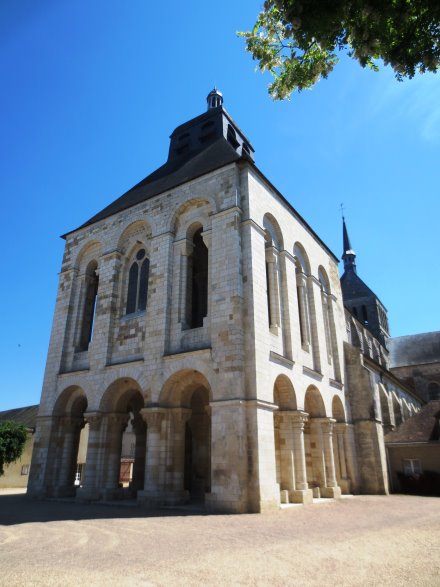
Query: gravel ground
{"points": [[363, 540]]}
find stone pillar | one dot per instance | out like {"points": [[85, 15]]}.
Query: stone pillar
{"points": [[70, 429], [284, 259], [140, 431], [331, 488], [43, 455], [116, 424], [317, 452], [154, 483], [301, 285], [302, 493], [91, 489], [272, 278], [175, 482], [287, 473], [185, 249], [207, 239]]}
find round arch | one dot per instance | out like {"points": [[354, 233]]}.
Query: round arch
{"points": [[177, 224], [274, 235], [338, 411], [72, 401], [123, 395], [302, 258], [90, 251], [179, 387], [284, 393], [313, 403]]}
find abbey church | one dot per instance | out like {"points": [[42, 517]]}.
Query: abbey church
{"points": [[200, 314]]}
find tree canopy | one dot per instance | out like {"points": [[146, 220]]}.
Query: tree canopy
{"points": [[298, 41], [12, 440]]}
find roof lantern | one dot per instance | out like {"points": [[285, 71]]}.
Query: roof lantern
{"points": [[214, 99]]}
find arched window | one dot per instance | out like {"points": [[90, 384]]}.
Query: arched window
{"points": [[138, 283], [198, 281], [91, 292]]}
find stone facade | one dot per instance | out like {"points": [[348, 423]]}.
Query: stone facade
{"points": [[232, 375]]}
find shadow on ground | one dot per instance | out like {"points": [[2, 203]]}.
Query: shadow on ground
{"points": [[19, 509]]}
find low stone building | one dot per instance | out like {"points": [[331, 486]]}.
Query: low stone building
{"points": [[17, 474], [415, 359], [204, 310], [414, 452]]}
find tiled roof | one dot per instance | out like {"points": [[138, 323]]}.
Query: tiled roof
{"points": [[423, 427], [26, 416], [416, 349]]}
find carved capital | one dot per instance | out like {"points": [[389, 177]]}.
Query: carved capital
{"points": [[93, 419], [299, 419], [71, 424], [118, 420], [180, 415], [207, 238], [154, 416]]}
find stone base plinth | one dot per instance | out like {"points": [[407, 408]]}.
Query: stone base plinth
{"points": [[113, 493], [66, 491], [301, 496], [334, 492]]}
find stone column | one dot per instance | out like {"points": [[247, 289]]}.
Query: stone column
{"points": [[207, 239], [185, 249], [302, 493], [91, 489], [331, 488], [116, 424], [301, 286], [41, 475], [317, 452], [140, 431], [285, 446], [154, 483], [175, 482], [272, 278], [70, 429]]}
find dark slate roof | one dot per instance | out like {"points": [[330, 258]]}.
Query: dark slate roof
{"points": [[416, 349], [423, 427], [353, 287], [26, 416], [197, 147]]}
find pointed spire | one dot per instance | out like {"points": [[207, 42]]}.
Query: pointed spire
{"points": [[348, 256]]}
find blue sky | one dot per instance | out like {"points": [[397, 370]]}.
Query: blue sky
{"points": [[91, 92]]}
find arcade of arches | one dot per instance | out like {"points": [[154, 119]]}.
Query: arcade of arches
{"points": [[171, 444]]}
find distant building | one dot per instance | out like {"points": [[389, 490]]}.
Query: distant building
{"points": [[203, 311], [17, 474], [414, 452], [415, 359]]}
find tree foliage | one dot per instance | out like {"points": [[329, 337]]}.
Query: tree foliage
{"points": [[298, 41], [12, 440]]}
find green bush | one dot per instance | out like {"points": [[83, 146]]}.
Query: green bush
{"points": [[12, 440]]}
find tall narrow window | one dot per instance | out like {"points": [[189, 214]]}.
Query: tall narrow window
{"points": [[198, 278], [137, 289], [91, 292]]}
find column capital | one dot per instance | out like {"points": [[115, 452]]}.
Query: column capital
{"points": [[207, 238], [299, 418], [93, 419], [118, 419], [71, 423], [184, 246], [154, 416], [180, 415], [326, 424]]}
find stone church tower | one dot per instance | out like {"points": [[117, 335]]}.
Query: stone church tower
{"points": [[202, 313]]}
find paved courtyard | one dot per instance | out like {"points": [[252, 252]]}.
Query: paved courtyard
{"points": [[363, 540]]}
